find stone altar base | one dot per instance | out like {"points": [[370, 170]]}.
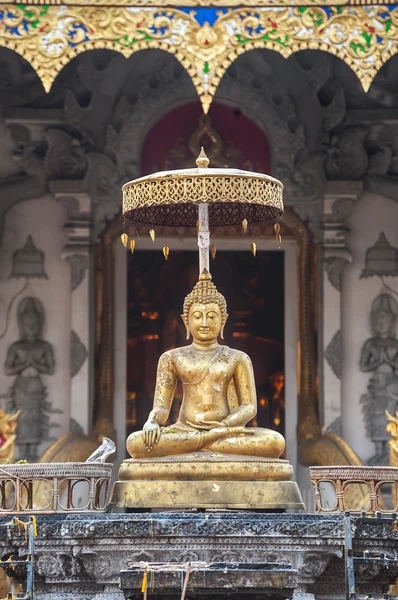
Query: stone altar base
{"points": [[206, 480], [275, 556]]}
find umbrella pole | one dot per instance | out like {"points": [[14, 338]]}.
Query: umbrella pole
{"points": [[203, 237]]}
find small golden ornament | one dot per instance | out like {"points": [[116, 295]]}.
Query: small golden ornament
{"points": [[132, 246], [277, 229], [125, 238], [152, 234], [244, 225], [253, 248], [202, 161], [197, 226], [166, 252], [213, 251]]}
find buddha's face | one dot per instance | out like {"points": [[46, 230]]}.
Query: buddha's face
{"points": [[205, 321]]}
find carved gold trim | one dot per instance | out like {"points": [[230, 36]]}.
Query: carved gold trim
{"points": [[212, 186], [206, 43], [198, 3]]}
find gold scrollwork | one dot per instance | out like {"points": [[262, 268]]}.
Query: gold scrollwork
{"points": [[49, 36]]}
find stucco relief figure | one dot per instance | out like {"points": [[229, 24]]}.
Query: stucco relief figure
{"points": [[28, 360], [380, 357]]}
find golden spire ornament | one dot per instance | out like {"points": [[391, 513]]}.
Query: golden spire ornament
{"points": [[166, 252], [244, 225], [213, 251], [125, 238], [253, 248], [152, 234], [202, 161], [132, 246]]}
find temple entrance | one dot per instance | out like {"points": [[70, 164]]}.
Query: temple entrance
{"points": [[253, 287], [254, 290]]}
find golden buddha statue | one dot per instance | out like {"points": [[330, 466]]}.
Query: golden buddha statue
{"points": [[211, 375], [202, 460]]}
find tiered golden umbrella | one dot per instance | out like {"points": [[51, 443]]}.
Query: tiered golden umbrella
{"points": [[204, 198]]}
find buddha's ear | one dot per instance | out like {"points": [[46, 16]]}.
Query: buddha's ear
{"points": [[223, 325], [186, 327]]}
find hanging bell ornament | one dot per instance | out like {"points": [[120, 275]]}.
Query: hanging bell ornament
{"points": [[253, 248], [277, 229], [197, 226], [152, 234], [125, 238], [166, 252], [132, 246], [213, 251], [244, 225]]}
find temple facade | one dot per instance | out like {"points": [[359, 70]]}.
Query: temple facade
{"points": [[90, 100]]}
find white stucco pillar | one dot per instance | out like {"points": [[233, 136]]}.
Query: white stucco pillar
{"points": [[77, 252], [338, 201]]}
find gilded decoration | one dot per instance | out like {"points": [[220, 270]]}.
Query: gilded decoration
{"points": [[205, 40], [174, 196]]}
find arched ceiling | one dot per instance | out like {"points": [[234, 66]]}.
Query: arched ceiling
{"points": [[206, 41]]}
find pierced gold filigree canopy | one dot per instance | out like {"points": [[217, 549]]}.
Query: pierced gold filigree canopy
{"points": [[171, 198]]}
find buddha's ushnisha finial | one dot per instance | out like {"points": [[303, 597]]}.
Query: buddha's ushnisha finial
{"points": [[205, 292], [202, 161]]}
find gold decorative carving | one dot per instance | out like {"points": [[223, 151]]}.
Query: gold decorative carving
{"points": [[198, 3], [49, 36], [392, 428], [8, 425], [213, 186]]}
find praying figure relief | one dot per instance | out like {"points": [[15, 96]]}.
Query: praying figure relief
{"points": [[28, 360], [380, 357]]}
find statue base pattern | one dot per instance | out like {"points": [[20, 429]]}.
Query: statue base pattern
{"points": [[206, 480]]}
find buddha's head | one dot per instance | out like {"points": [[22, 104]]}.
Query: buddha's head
{"points": [[205, 310]]}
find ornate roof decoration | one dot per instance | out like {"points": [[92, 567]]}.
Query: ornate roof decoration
{"points": [[205, 40]]}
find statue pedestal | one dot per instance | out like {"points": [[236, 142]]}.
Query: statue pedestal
{"points": [[206, 480]]}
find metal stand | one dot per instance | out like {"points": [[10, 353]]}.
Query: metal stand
{"points": [[366, 557], [28, 563]]}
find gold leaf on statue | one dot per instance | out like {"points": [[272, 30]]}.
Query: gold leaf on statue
{"points": [[125, 238], [132, 246], [166, 252], [253, 248], [213, 251], [244, 225], [152, 234]]}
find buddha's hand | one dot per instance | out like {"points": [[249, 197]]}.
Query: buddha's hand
{"points": [[151, 433]]}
